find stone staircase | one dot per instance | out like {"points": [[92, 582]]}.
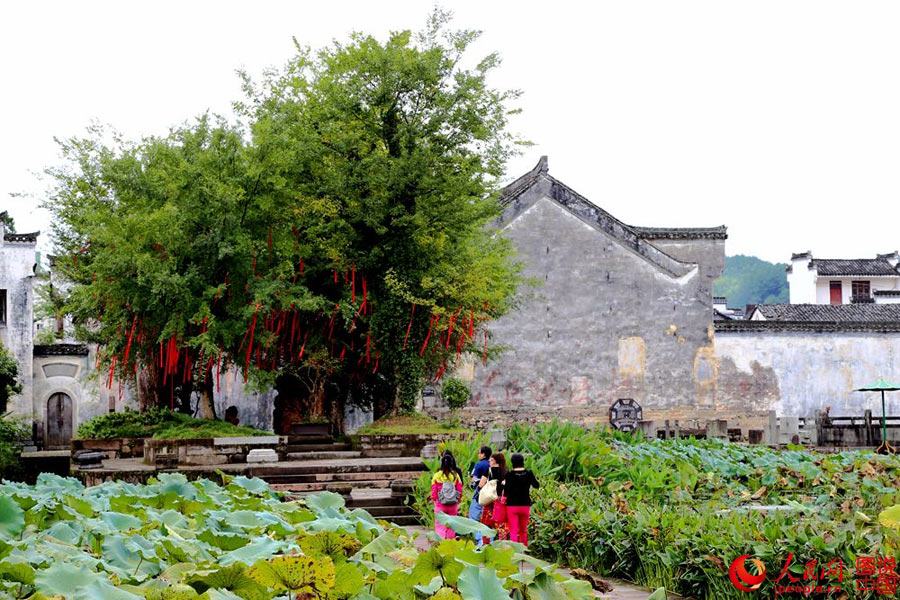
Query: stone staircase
{"points": [[314, 463], [385, 504], [337, 474]]}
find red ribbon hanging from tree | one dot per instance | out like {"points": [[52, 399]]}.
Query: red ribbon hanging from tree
{"points": [[427, 336], [408, 327]]}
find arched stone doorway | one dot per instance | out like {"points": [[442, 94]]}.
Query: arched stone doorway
{"points": [[59, 420]]}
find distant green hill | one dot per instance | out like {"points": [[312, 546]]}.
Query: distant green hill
{"points": [[750, 280]]}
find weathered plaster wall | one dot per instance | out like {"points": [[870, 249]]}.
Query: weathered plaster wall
{"points": [[796, 373], [606, 323], [17, 261], [709, 254], [254, 407]]}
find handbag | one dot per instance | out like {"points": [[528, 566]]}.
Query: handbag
{"points": [[488, 493], [500, 510]]}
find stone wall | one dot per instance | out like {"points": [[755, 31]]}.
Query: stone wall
{"points": [[610, 318]]}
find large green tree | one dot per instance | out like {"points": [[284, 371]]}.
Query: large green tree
{"points": [[337, 235]]}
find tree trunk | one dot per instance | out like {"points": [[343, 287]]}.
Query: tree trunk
{"points": [[148, 388], [207, 405]]}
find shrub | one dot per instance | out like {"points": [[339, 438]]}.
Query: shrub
{"points": [[158, 423], [455, 393], [127, 424], [12, 435], [9, 377]]}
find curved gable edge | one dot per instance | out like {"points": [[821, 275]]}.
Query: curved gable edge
{"points": [[519, 196]]}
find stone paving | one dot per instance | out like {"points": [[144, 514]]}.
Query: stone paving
{"points": [[621, 590]]}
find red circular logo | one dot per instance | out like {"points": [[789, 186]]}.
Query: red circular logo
{"points": [[743, 579]]}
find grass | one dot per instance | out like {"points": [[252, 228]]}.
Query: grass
{"points": [[409, 424], [203, 428]]}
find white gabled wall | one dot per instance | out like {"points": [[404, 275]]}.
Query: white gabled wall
{"points": [[802, 282]]}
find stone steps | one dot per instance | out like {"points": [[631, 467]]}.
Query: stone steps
{"points": [[321, 486], [353, 465], [333, 447], [385, 505], [378, 485], [323, 455], [305, 440], [289, 478]]}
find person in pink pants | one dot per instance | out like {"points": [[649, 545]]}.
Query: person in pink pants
{"points": [[516, 488], [448, 475]]}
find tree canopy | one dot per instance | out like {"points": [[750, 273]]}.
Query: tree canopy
{"points": [[337, 231], [750, 280]]}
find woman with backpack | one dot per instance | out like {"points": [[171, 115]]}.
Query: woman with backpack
{"points": [[516, 490], [446, 490]]}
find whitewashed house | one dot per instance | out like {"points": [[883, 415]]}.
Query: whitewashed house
{"points": [[844, 281]]}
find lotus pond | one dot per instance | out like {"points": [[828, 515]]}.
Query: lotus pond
{"points": [[174, 540], [678, 513]]}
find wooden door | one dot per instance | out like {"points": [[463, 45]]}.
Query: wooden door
{"points": [[836, 290], [59, 420]]}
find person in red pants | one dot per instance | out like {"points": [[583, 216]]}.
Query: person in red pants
{"points": [[516, 488]]}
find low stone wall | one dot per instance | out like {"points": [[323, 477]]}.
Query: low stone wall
{"points": [[206, 451], [91, 477], [114, 448], [381, 446]]}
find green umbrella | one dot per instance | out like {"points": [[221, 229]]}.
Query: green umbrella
{"points": [[882, 385]]}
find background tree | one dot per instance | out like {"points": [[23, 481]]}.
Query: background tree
{"points": [[9, 378], [8, 222], [51, 304], [341, 249], [750, 280]]}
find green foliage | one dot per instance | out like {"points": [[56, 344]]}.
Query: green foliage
{"points": [[160, 424], [12, 435], [9, 377], [466, 454], [359, 182], [674, 514], [8, 222], [162, 541], [455, 392], [750, 280], [50, 304]]}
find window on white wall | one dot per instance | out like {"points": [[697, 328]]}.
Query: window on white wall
{"points": [[2, 307]]}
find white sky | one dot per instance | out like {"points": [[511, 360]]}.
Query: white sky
{"points": [[779, 119]]}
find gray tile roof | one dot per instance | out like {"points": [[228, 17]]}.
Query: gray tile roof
{"points": [[744, 325], [852, 267], [827, 313], [21, 237], [682, 233]]}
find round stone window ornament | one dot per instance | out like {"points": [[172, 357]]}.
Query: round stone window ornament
{"points": [[625, 414]]}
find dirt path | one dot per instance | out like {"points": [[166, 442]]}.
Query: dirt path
{"points": [[621, 590]]}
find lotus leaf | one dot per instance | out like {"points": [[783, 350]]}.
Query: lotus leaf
{"points": [[64, 579], [890, 517], [434, 563], [295, 573], [481, 584], [12, 517]]}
